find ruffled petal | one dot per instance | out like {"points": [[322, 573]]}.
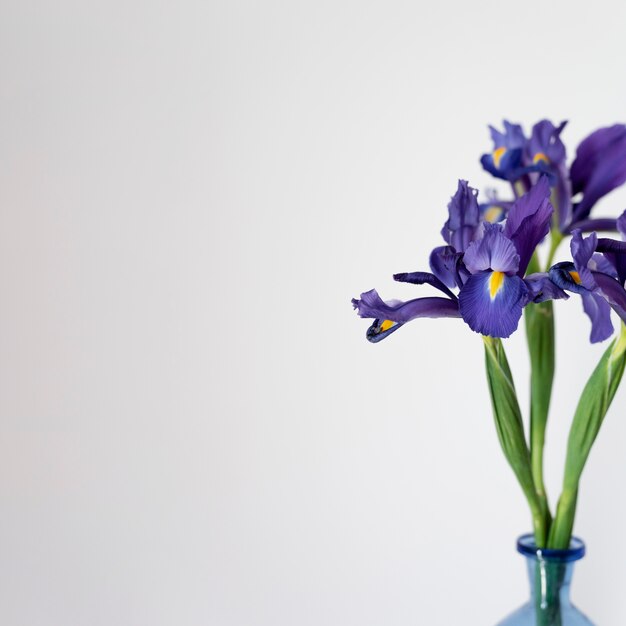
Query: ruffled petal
{"points": [[463, 217], [491, 303], [493, 252]]}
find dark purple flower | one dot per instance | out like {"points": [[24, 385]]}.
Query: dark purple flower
{"points": [[505, 161], [546, 152], [595, 280], [599, 167]]}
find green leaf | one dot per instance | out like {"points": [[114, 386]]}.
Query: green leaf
{"points": [[510, 428], [590, 412]]}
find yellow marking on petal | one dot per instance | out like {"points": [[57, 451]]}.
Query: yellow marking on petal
{"points": [[576, 277], [386, 325], [540, 156], [498, 153], [493, 214], [496, 281]]}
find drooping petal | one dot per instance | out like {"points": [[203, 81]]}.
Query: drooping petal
{"points": [[541, 288], [599, 312], [528, 221], [582, 250], [423, 278], [491, 303], [493, 252], [463, 217], [445, 264], [613, 291], [392, 314], [599, 167]]}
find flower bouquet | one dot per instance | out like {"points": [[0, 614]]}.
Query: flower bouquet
{"points": [[489, 273]]}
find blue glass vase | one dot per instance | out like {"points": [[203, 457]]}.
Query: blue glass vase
{"points": [[550, 574]]}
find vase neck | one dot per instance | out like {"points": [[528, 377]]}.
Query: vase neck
{"points": [[549, 580]]}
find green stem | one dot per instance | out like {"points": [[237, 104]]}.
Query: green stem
{"points": [[556, 237], [539, 319], [510, 429], [561, 531]]}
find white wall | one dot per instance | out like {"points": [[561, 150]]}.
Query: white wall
{"points": [[193, 428]]}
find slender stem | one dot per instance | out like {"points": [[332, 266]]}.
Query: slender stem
{"points": [[561, 531], [556, 237]]}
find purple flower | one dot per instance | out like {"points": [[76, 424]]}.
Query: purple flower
{"points": [[595, 279], [505, 161], [545, 151], [488, 271], [599, 167]]}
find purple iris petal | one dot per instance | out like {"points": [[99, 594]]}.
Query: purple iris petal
{"points": [[597, 224], [599, 167], [614, 254], [582, 250], [512, 137], [506, 159], [445, 263], [599, 312], [421, 278], [493, 310], [464, 217], [600, 263], [613, 292], [562, 275], [493, 252], [528, 221], [541, 288], [545, 141], [394, 312]]}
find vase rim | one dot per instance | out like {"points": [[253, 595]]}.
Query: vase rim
{"points": [[526, 545]]}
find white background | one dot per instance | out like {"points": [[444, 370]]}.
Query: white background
{"points": [[193, 429]]}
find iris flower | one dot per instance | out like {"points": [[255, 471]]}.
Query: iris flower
{"points": [[595, 277], [599, 167], [485, 262]]}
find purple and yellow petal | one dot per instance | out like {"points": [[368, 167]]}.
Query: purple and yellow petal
{"points": [[491, 303]]}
